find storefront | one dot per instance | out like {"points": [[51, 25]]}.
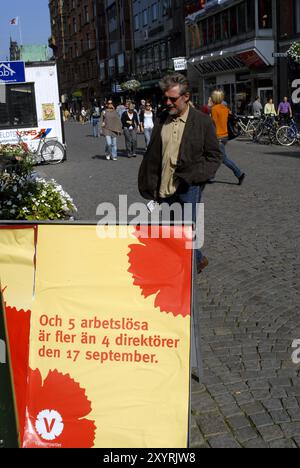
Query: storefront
{"points": [[243, 72]]}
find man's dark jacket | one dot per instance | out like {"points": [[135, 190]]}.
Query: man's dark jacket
{"points": [[199, 155]]}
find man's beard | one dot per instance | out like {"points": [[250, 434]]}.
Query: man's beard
{"points": [[173, 111]]}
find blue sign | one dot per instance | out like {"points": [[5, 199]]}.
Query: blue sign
{"points": [[12, 72]]}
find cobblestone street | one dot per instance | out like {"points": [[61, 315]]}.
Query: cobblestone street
{"points": [[249, 295]]}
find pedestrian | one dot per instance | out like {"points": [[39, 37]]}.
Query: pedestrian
{"points": [[147, 122], [111, 128], [120, 109], [95, 118], [130, 123], [83, 115], [257, 107], [220, 115], [183, 153], [206, 109], [269, 109], [285, 111]]}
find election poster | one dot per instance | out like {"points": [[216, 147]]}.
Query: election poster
{"points": [[101, 326]]}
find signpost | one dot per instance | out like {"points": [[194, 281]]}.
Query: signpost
{"points": [[12, 72], [180, 63]]}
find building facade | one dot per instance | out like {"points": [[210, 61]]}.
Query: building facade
{"points": [[159, 36], [116, 51], [231, 45], [74, 45]]}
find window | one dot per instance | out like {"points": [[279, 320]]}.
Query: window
{"points": [[155, 12], [225, 24], [86, 14], [88, 41], [250, 15], [265, 14], [74, 25], [241, 13], [233, 22], [145, 18], [218, 36], [136, 23], [297, 15], [17, 106]]}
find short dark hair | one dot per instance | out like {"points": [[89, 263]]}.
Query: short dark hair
{"points": [[175, 79]]}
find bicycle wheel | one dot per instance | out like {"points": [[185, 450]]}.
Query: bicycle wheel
{"points": [[286, 136], [52, 152]]}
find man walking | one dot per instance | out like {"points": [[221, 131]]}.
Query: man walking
{"points": [[183, 153]]}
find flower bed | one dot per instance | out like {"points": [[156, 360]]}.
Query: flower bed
{"points": [[294, 52], [24, 196]]}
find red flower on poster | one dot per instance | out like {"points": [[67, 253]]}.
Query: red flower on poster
{"points": [[162, 265], [18, 326], [55, 413]]}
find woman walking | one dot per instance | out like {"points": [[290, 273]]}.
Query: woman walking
{"points": [[130, 124], [111, 129], [220, 114], [147, 122]]}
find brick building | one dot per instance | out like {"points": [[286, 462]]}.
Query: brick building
{"points": [[74, 44]]}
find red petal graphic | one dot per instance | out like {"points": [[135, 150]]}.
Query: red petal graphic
{"points": [[163, 266], [59, 393], [18, 327]]}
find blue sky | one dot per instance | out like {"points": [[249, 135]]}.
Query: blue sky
{"points": [[35, 23]]}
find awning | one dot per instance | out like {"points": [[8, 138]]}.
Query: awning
{"points": [[254, 55]]}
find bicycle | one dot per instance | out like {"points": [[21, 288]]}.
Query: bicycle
{"points": [[265, 132], [247, 125], [49, 151], [287, 135]]}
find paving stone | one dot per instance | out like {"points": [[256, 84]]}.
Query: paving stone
{"points": [[290, 403], [291, 430], [224, 442], [280, 416], [253, 408], [245, 434], [260, 420], [211, 424], [271, 433], [255, 444], [238, 422], [294, 414], [196, 438], [283, 444]]}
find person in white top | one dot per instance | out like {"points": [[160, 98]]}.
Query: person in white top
{"points": [[147, 122], [270, 108]]}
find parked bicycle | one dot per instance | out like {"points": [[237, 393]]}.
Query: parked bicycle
{"points": [[49, 151], [288, 135], [247, 125], [265, 131]]}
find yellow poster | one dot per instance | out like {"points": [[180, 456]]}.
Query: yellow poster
{"points": [[48, 111], [109, 353]]}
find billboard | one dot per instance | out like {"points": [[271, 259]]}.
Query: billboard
{"points": [[100, 331]]}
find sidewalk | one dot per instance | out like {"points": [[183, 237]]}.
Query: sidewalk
{"points": [[250, 304]]}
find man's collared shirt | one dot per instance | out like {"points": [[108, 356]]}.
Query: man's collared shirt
{"points": [[172, 133]]}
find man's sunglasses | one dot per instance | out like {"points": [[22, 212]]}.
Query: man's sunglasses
{"points": [[172, 99]]}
